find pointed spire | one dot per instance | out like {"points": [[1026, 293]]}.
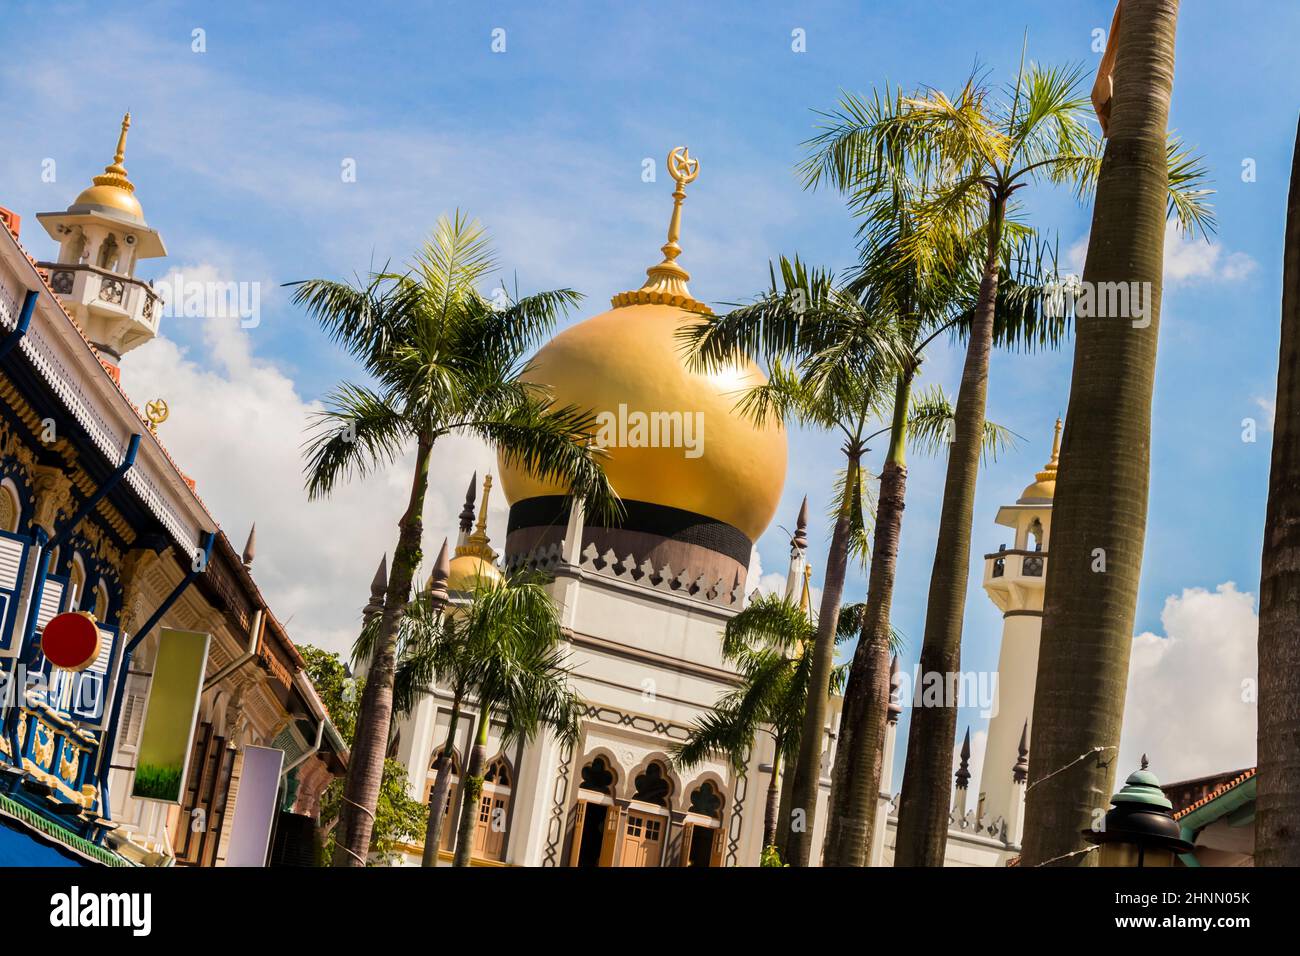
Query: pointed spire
{"points": [[437, 587], [1020, 772], [476, 542], [800, 540], [666, 282], [963, 770], [895, 684], [467, 512], [378, 585], [250, 546], [115, 173]]}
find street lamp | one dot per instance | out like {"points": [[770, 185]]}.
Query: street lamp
{"points": [[1139, 829]]}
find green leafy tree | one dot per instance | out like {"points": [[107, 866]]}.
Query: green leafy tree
{"points": [[338, 690], [442, 359], [399, 818]]}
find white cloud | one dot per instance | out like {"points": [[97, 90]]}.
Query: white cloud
{"points": [[1269, 407], [1185, 706], [236, 427], [1186, 260]]}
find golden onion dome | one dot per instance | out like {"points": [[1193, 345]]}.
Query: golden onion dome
{"points": [[673, 436], [469, 572], [112, 189], [1044, 484]]}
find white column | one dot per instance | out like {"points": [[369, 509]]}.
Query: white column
{"points": [[1014, 704]]}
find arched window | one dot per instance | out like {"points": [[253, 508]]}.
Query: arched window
{"points": [[76, 584], [706, 801], [8, 509], [652, 785], [498, 773], [101, 601], [108, 253], [598, 777], [1035, 542]]}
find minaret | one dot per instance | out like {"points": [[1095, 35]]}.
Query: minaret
{"points": [[798, 552], [101, 237], [1014, 579]]}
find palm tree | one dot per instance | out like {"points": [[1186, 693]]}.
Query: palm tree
{"points": [[835, 393], [851, 360], [511, 632], [1099, 514], [768, 642], [1278, 798], [443, 360], [989, 148]]}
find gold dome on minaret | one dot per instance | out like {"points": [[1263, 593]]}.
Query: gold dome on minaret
{"points": [[1044, 485], [475, 561], [112, 190], [628, 360]]}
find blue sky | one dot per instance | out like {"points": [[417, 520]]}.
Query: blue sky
{"points": [[237, 152]]}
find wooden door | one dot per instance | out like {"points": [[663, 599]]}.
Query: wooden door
{"points": [[579, 818], [609, 841], [688, 834], [719, 839], [643, 840]]}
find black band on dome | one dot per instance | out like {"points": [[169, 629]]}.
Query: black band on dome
{"points": [[672, 523]]}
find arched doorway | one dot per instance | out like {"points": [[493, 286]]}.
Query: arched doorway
{"points": [[595, 820], [703, 838], [493, 811], [646, 831]]}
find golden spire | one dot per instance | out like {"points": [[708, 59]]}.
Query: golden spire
{"points": [[1049, 470], [115, 174], [805, 598], [477, 543], [666, 282]]}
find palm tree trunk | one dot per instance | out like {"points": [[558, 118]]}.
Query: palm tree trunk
{"points": [[773, 799], [783, 808], [927, 784], [855, 780], [1100, 508], [472, 788], [441, 784], [1277, 825], [807, 773], [366, 763]]}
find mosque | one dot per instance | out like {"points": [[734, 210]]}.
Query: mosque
{"points": [[643, 606]]}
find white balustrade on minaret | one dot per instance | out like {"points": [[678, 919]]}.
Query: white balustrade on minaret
{"points": [[1015, 578]]}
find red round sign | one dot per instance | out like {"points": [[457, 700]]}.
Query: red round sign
{"points": [[71, 640]]}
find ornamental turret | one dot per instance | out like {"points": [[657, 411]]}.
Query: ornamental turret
{"points": [[102, 236]]}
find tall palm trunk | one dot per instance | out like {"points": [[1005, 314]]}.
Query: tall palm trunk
{"points": [[924, 804], [783, 810], [807, 773], [1100, 509], [366, 763], [441, 785], [1277, 825], [855, 780], [471, 789], [773, 799]]}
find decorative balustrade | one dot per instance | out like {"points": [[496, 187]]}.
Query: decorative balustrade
{"points": [[550, 557]]}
